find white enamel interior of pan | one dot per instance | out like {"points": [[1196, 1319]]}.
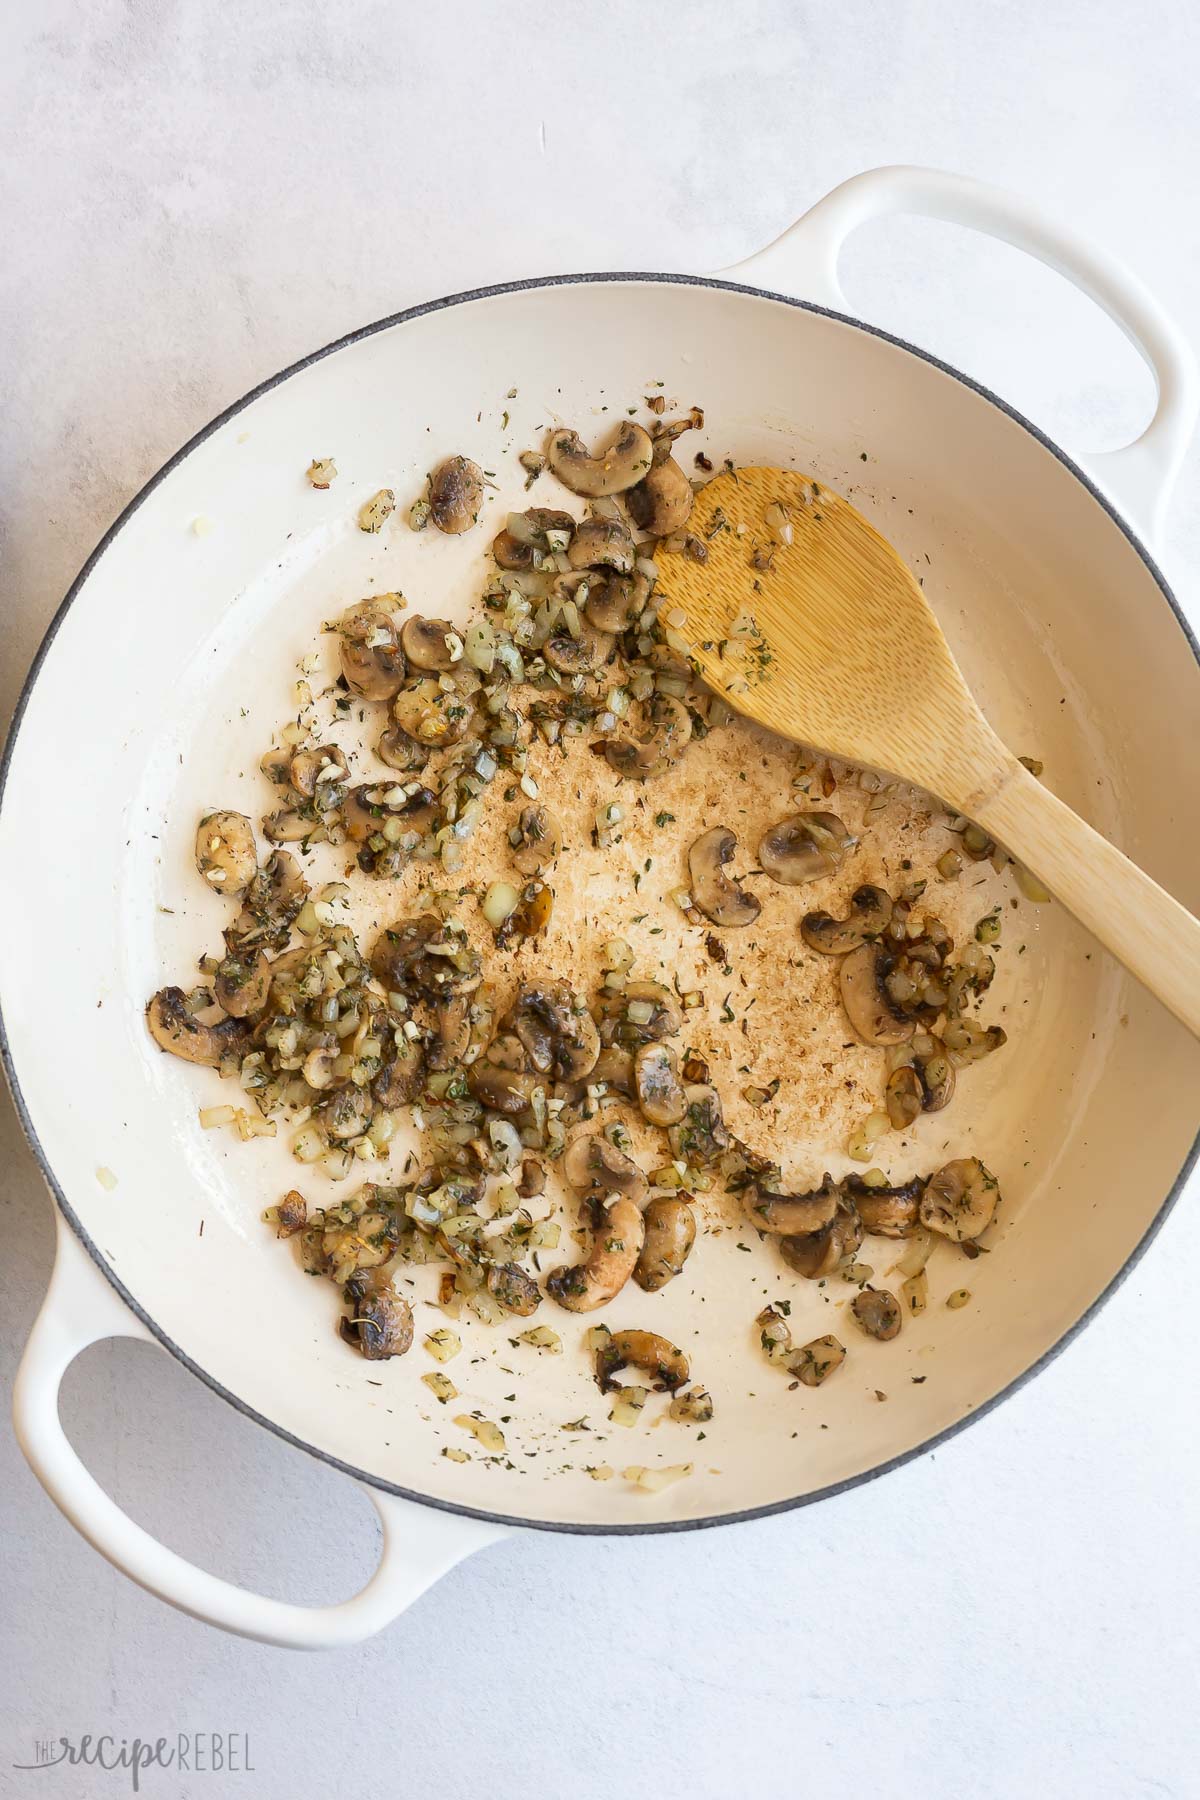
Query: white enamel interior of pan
{"points": [[173, 667]]}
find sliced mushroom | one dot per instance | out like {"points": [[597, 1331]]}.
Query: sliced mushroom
{"points": [[661, 503], [642, 1012], [803, 847], [271, 902], [668, 731], [242, 981], [818, 1253], [523, 542], [540, 840], [792, 1215], [455, 494], [627, 459], [530, 915], [310, 770], [557, 1031], [290, 825], [616, 1246], [516, 1291], [596, 1169], [372, 661], [719, 898], [533, 1178], [345, 1114], [501, 1078], [878, 1312], [869, 1006], [670, 1233], [381, 809], [614, 1068], [870, 911], [427, 643], [225, 852], [659, 1090], [423, 957], [400, 751], [433, 714], [173, 1028], [960, 1199], [701, 1135], [402, 1077], [615, 604], [380, 1324], [656, 1356], [886, 1211], [602, 544], [451, 1032], [903, 1097], [572, 655], [815, 1362]]}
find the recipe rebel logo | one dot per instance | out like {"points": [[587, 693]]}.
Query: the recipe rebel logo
{"points": [[188, 1752]]}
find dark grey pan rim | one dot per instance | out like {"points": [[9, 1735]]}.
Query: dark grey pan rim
{"points": [[450, 1506]]}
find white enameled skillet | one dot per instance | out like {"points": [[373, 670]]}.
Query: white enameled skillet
{"points": [[165, 659]]}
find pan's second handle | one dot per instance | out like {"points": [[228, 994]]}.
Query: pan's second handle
{"points": [[1156, 938], [804, 261], [419, 1543]]}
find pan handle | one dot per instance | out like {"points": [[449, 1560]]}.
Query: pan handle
{"points": [[419, 1543], [804, 261]]}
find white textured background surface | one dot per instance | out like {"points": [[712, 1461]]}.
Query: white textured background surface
{"points": [[193, 195]]}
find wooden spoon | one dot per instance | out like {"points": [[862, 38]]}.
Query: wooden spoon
{"points": [[838, 648]]}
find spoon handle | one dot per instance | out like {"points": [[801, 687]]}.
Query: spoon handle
{"points": [[1155, 937]]}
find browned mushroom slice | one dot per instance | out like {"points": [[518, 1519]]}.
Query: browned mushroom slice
{"points": [[242, 981], [701, 1135], [886, 1211], [433, 714], [869, 1006], [656, 1356], [661, 503], [345, 1114], [595, 1168], [291, 1215], [501, 1078], [173, 1028], [870, 910], [530, 915], [615, 604], [803, 847], [622, 465], [312, 772], [818, 1253], [380, 1324], [815, 1362], [571, 655], [960, 1199], [642, 1012], [557, 1031], [429, 643], [668, 731], [614, 1067], [602, 544], [402, 1076], [373, 663], [529, 536], [670, 1233], [516, 1291], [225, 852], [390, 811], [616, 1246], [451, 1031], [538, 840], [423, 957], [271, 903], [903, 1096], [877, 1312], [455, 494], [659, 1090], [719, 899], [792, 1215], [400, 751]]}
